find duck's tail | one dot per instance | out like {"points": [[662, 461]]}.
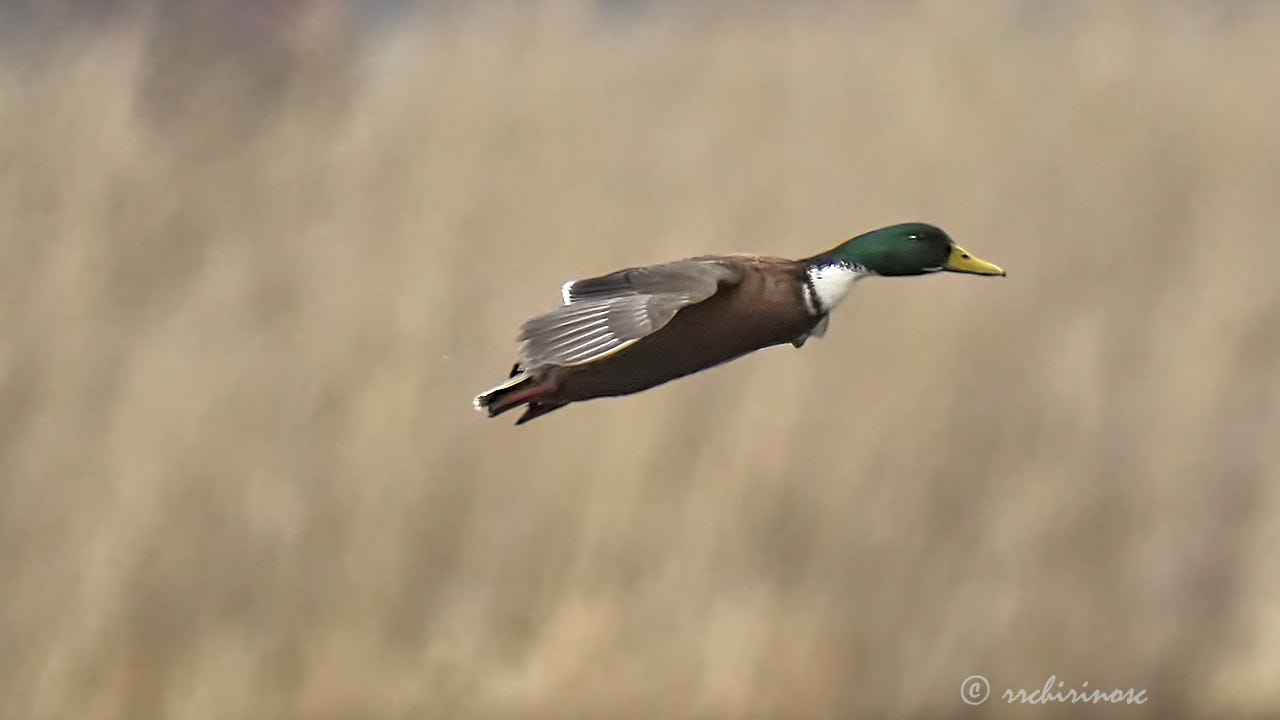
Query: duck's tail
{"points": [[520, 389]]}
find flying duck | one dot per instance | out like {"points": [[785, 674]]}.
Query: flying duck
{"points": [[636, 328]]}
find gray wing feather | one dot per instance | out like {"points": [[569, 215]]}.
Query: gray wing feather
{"points": [[695, 275], [607, 313]]}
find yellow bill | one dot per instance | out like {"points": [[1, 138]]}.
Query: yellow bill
{"points": [[962, 262]]}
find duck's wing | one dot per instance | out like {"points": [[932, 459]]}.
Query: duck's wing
{"points": [[602, 315]]}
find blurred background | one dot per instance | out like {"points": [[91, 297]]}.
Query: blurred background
{"points": [[257, 257]]}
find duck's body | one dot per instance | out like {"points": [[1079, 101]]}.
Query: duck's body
{"points": [[636, 328], [760, 305]]}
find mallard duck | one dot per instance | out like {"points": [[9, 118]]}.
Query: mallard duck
{"points": [[636, 328]]}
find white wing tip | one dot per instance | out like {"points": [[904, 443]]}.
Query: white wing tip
{"points": [[564, 292]]}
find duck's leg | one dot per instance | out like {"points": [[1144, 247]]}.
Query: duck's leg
{"points": [[517, 391], [538, 408]]}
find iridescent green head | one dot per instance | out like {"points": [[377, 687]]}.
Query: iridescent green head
{"points": [[908, 249]]}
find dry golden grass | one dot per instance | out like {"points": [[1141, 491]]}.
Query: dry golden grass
{"points": [[239, 473]]}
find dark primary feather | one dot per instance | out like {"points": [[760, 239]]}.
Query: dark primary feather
{"points": [[698, 276], [607, 313]]}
